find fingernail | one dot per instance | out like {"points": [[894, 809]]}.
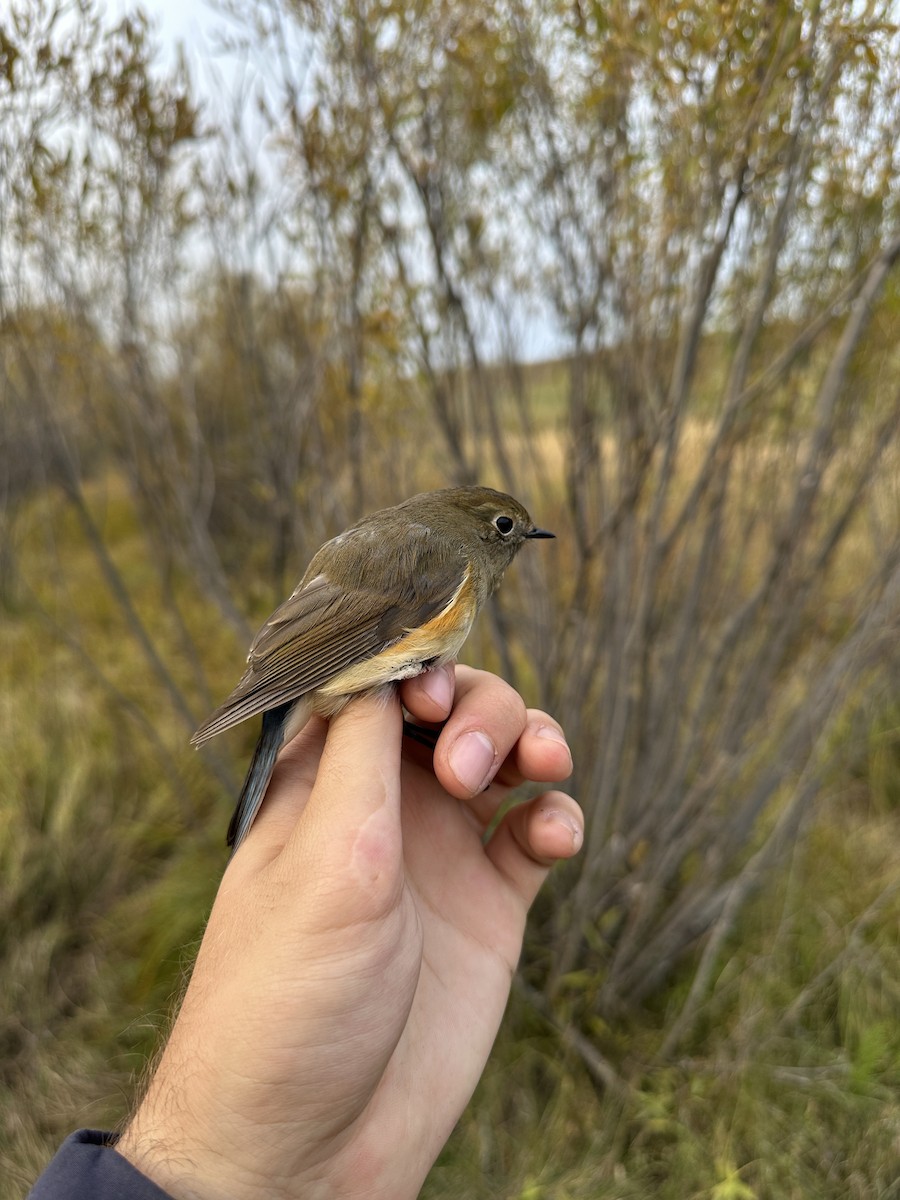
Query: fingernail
{"points": [[472, 759], [552, 734], [436, 684], [575, 828]]}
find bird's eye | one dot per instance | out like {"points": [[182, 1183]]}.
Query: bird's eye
{"points": [[504, 524]]}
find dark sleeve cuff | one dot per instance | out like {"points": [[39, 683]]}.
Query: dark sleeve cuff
{"points": [[86, 1167]]}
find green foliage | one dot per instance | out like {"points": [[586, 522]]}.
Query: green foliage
{"points": [[109, 857], [771, 1099], [108, 871]]}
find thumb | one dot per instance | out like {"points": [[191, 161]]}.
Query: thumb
{"points": [[349, 833]]}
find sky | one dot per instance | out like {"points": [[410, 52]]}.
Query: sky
{"points": [[192, 23], [188, 21]]}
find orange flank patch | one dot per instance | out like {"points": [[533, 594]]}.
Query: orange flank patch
{"points": [[438, 640]]}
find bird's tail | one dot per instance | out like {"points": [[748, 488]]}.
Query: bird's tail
{"points": [[259, 774]]}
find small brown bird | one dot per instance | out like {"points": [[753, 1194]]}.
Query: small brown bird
{"points": [[384, 601]]}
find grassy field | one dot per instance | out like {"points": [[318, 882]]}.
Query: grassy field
{"points": [[110, 852], [788, 1090]]}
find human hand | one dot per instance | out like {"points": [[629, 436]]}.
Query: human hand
{"points": [[359, 954]]}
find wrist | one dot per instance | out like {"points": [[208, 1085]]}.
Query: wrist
{"points": [[261, 1164], [176, 1160], [175, 1155]]}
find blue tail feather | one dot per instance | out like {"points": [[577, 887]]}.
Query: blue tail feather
{"points": [[259, 774]]}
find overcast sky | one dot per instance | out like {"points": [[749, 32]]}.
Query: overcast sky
{"points": [[192, 23], [179, 20], [187, 21]]}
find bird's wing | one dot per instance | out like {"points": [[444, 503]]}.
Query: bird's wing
{"points": [[324, 627]]}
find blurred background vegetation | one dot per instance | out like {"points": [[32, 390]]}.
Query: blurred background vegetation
{"points": [[229, 328]]}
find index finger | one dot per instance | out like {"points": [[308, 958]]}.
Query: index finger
{"points": [[490, 739]]}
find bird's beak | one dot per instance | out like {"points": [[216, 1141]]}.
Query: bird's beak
{"points": [[536, 533]]}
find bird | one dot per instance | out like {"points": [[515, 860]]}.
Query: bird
{"points": [[389, 598]]}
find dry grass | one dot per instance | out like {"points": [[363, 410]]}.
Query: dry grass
{"points": [[110, 852]]}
